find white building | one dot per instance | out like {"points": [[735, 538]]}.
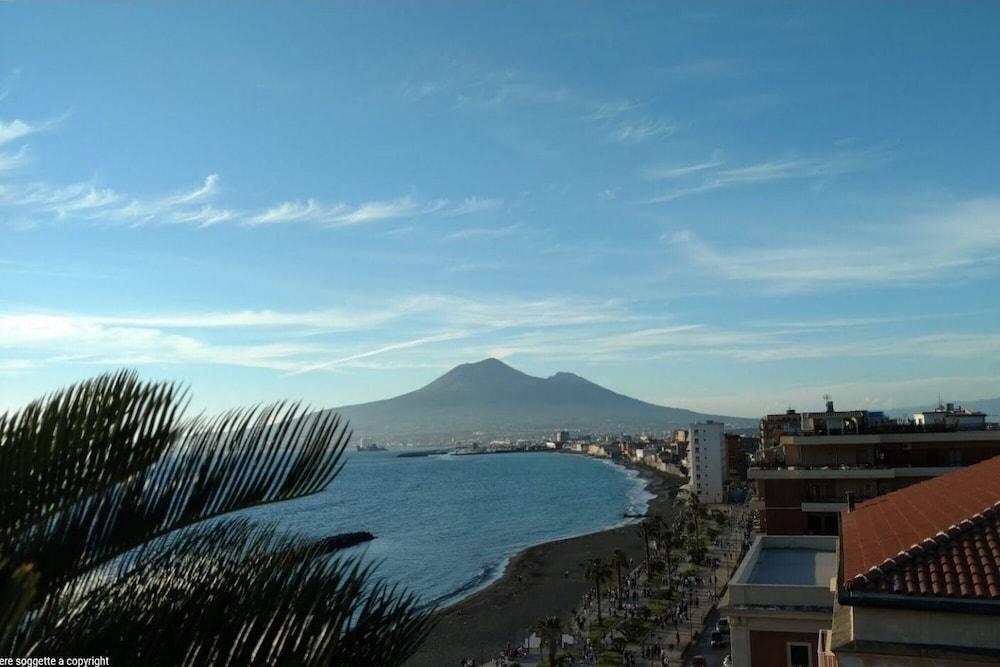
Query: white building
{"points": [[951, 417], [706, 456]]}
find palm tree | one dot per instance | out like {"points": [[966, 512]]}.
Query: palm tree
{"points": [[598, 571], [550, 631], [620, 560], [115, 539], [664, 540], [645, 534]]}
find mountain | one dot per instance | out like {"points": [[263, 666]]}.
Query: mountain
{"points": [[491, 399]]}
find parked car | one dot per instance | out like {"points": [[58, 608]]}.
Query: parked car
{"points": [[718, 640], [728, 661], [699, 661], [723, 625]]}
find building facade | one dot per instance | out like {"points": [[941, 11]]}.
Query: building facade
{"points": [[836, 457], [706, 461], [779, 600]]}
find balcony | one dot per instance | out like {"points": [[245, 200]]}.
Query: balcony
{"points": [[844, 472]]}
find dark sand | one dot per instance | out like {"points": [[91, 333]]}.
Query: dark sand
{"points": [[483, 624]]}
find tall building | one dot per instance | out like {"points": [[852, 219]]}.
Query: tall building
{"points": [[706, 461]]}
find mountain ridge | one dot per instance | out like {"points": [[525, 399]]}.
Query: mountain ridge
{"points": [[489, 399]]}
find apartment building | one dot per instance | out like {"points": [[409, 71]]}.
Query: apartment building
{"points": [[839, 457], [705, 462]]}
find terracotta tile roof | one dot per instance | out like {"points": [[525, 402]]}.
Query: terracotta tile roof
{"points": [[937, 538]]}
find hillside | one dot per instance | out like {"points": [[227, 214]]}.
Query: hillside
{"points": [[492, 399]]}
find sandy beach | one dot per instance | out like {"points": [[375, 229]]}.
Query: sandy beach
{"points": [[534, 585]]}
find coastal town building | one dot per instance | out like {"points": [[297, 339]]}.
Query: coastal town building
{"points": [[779, 599], [736, 459], [838, 457], [705, 461], [919, 582], [772, 427], [950, 416], [912, 580]]}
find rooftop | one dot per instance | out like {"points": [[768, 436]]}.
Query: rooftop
{"points": [[791, 566], [938, 538], [786, 573]]}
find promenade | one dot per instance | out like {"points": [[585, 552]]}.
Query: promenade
{"points": [[661, 614]]}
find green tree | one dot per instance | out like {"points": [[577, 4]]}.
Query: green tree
{"points": [[646, 534], [116, 536], [666, 539], [620, 560], [598, 571]]}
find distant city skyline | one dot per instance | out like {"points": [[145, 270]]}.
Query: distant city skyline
{"points": [[727, 208]]}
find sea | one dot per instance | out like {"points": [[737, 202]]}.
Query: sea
{"points": [[446, 525]]}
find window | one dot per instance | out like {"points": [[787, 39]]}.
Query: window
{"points": [[955, 457], [799, 655]]}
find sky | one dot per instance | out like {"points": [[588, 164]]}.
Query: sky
{"points": [[728, 207]]}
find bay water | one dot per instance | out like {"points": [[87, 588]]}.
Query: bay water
{"points": [[446, 525]]}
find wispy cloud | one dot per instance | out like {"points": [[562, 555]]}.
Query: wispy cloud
{"points": [[465, 86], [392, 347], [662, 173], [40, 201], [289, 342], [13, 160], [18, 129], [474, 205], [631, 132], [705, 68], [711, 176], [483, 232], [955, 242], [198, 206]]}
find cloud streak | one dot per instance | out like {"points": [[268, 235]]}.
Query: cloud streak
{"points": [[711, 175], [468, 87], [198, 206], [472, 233], [959, 241]]}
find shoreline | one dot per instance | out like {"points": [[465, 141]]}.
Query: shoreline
{"points": [[643, 475], [533, 585]]}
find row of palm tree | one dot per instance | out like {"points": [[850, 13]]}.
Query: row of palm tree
{"points": [[659, 540], [655, 530]]}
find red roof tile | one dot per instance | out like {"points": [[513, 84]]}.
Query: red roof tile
{"points": [[937, 538]]}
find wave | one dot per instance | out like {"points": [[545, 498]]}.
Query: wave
{"points": [[489, 573], [638, 497]]}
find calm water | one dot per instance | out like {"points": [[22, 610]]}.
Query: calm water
{"points": [[446, 525]]}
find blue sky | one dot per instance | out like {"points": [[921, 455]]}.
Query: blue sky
{"points": [[732, 208]]}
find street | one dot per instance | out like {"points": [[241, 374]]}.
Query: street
{"points": [[714, 656]]}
